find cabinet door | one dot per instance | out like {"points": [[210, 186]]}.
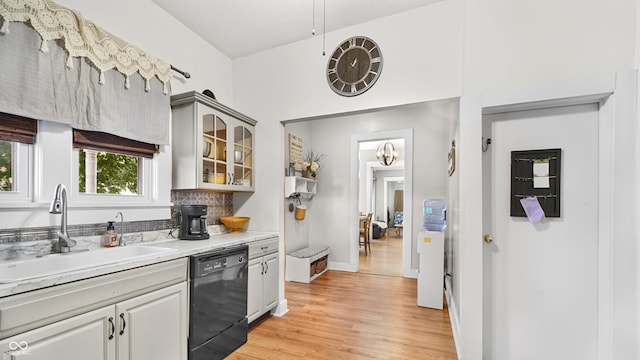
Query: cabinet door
{"points": [[270, 278], [212, 145], [254, 287], [243, 155], [81, 337], [214, 170], [154, 325]]}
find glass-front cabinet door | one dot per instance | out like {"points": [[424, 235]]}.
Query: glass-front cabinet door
{"points": [[212, 145], [214, 149], [242, 156]]}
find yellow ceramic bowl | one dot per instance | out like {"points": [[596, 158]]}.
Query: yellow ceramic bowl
{"points": [[235, 223]]}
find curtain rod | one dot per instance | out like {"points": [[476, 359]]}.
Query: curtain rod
{"points": [[183, 73]]}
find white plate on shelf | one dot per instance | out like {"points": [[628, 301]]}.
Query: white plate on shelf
{"points": [[206, 148]]}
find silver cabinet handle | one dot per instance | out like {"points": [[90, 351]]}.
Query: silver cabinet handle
{"points": [[267, 267]]}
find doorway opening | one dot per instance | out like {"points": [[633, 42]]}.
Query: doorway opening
{"points": [[370, 198], [382, 196]]}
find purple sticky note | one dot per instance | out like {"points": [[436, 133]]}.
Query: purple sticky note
{"points": [[532, 208]]}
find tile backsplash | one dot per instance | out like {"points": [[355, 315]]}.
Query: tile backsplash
{"points": [[218, 204]]}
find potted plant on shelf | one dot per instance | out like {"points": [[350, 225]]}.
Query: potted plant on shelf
{"points": [[311, 164]]}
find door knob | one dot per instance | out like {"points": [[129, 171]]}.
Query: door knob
{"points": [[488, 238]]}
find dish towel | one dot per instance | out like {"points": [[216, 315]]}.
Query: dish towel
{"points": [[532, 208]]}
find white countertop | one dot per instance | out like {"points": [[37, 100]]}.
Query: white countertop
{"points": [[182, 248]]}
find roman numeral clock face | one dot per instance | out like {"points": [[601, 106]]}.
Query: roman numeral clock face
{"points": [[354, 66]]}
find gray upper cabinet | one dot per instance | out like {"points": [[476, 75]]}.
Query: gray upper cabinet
{"points": [[212, 145]]}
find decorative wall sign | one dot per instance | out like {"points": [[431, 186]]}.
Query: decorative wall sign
{"points": [[295, 151], [536, 173]]}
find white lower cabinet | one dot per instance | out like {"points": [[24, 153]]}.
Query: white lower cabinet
{"points": [[151, 326], [80, 337], [263, 278], [138, 314], [270, 282]]}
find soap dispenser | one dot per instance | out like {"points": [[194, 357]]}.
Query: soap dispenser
{"points": [[111, 237]]}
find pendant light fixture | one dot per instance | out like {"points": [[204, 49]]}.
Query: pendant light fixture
{"points": [[387, 154]]}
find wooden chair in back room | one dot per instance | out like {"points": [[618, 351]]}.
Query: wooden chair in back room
{"points": [[365, 233]]}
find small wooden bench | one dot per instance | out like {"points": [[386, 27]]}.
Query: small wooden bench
{"points": [[306, 264]]}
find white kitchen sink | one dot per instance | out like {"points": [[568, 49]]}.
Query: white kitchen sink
{"points": [[12, 271]]}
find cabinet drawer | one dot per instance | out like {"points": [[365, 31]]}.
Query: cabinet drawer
{"points": [[263, 247]]}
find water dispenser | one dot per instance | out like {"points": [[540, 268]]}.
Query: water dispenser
{"points": [[435, 214]]}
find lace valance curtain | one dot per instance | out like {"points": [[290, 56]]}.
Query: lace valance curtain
{"points": [[91, 84]]}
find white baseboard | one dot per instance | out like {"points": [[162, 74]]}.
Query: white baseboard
{"points": [[453, 317], [412, 274], [281, 309], [341, 266]]}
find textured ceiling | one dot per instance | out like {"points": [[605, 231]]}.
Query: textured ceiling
{"points": [[243, 27]]}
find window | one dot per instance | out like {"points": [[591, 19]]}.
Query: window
{"points": [[108, 173], [108, 164], [17, 134], [6, 166]]}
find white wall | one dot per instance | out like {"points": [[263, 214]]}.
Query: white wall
{"points": [[453, 265], [422, 61], [514, 43], [297, 231], [517, 44], [330, 221]]}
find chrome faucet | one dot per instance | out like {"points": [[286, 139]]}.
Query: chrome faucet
{"points": [[59, 206], [121, 235]]}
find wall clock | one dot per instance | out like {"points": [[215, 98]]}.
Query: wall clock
{"points": [[354, 66]]}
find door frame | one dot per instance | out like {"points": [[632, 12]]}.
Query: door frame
{"points": [[356, 139], [616, 95]]}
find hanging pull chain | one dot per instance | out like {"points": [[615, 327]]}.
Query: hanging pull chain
{"points": [[313, 25], [324, 25]]}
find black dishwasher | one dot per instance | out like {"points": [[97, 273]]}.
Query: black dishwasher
{"points": [[218, 303]]}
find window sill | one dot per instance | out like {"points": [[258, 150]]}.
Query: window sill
{"points": [[84, 205]]}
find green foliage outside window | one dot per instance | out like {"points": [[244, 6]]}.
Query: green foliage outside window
{"points": [[6, 177], [116, 174]]}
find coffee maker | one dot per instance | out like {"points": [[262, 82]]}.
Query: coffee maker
{"points": [[193, 222]]}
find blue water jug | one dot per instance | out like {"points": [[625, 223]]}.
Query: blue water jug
{"points": [[434, 218]]}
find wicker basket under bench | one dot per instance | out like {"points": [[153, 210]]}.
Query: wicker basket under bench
{"points": [[306, 264]]}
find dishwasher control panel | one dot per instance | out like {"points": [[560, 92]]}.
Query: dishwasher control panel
{"points": [[209, 263]]}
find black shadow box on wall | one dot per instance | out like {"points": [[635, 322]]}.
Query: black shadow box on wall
{"points": [[526, 182]]}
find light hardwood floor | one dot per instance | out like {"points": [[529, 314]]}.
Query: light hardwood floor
{"points": [[343, 315], [385, 257]]}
